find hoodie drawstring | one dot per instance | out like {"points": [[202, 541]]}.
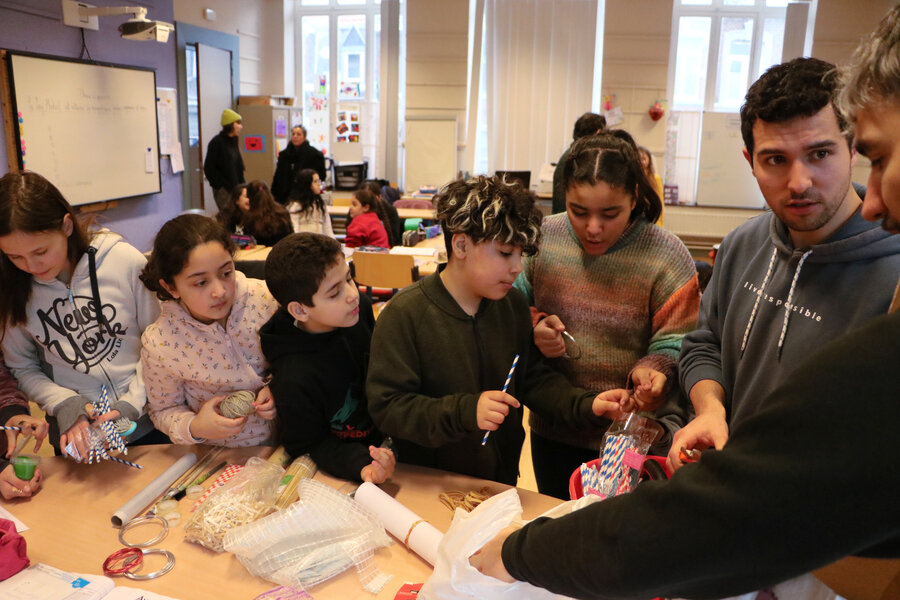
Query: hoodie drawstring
{"points": [[787, 305], [758, 297]]}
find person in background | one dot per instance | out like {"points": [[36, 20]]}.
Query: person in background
{"points": [[205, 344], [318, 346], [443, 347], [223, 165], [654, 179], [306, 207], [231, 215], [266, 220], [783, 496], [14, 412], [64, 351], [298, 155], [625, 290], [370, 224], [395, 231], [587, 124], [773, 293]]}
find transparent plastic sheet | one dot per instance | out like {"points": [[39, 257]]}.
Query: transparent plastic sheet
{"points": [[314, 539], [245, 498], [625, 446]]}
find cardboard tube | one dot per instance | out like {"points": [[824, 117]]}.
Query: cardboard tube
{"points": [[420, 536], [154, 489]]}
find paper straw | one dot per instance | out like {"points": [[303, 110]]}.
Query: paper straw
{"points": [[420, 536], [5, 428], [154, 489], [505, 385]]}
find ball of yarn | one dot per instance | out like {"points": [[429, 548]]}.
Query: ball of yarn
{"points": [[237, 404]]}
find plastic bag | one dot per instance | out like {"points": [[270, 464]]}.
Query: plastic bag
{"points": [[625, 446], [243, 499], [454, 578], [312, 540]]}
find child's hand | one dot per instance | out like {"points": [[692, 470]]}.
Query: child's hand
{"points": [[548, 337], [76, 434], [493, 406], [30, 426], [611, 403], [13, 487], [210, 425], [649, 386], [265, 404], [382, 467]]}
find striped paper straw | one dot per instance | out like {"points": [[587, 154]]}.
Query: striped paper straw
{"points": [[505, 386], [5, 428]]}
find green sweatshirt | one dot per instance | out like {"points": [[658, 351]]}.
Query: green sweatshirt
{"points": [[429, 363]]}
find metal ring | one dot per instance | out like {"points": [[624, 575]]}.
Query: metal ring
{"points": [[140, 520], [170, 564]]}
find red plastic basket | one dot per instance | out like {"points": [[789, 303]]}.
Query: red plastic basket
{"points": [[575, 489]]}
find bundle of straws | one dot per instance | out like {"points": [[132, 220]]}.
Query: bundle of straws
{"points": [[614, 476], [182, 483]]}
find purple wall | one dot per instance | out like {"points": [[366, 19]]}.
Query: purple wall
{"points": [[38, 27]]}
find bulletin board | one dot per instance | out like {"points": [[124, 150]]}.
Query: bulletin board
{"points": [[90, 128], [724, 177], [430, 152]]}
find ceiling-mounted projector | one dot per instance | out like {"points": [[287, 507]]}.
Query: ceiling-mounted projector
{"points": [[145, 30], [140, 28]]}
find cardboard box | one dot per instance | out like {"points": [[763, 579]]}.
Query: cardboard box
{"points": [[857, 578]]}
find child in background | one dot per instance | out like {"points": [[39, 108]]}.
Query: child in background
{"points": [[370, 223], [395, 228], [625, 290], [205, 343], [266, 220], [305, 205], [14, 412], [442, 348], [232, 214], [654, 179], [54, 274], [318, 346]]}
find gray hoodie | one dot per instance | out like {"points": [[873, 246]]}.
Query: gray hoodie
{"points": [[769, 305], [64, 351]]}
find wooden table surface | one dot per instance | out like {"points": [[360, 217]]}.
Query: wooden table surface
{"points": [[70, 529]]}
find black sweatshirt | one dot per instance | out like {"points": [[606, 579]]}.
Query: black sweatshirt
{"points": [[807, 480], [318, 383]]}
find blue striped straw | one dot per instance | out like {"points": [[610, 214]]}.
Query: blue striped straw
{"points": [[505, 385], [5, 428]]}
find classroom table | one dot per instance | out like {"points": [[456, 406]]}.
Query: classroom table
{"points": [[403, 213], [70, 529], [426, 265]]}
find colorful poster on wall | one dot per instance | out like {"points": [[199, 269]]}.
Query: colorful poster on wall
{"points": [[347, 126], [280, 127]]}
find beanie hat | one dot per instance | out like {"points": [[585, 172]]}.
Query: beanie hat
{"points": [[229, 117]]}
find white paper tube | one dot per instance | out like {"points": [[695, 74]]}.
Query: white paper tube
{"points": [[154, 489], [401, 522]]}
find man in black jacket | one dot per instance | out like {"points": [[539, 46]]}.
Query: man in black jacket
{"points": [[223, 165], [297, 156], [805, 481]]}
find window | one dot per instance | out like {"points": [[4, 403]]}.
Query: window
{"points": [[719, 48]]}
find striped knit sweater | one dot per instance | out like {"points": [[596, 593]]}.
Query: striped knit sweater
{"points": [[626, 308]]}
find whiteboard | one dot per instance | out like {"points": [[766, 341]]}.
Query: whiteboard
{"points": [[724, 177], [89, 128], [430, 155]]}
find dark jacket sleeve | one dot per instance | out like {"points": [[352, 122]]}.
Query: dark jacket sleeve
{"points": [[319, 163], [393, 388], [212, 164], [282, 180], [781, 499], [303, 427], [12, 403]]}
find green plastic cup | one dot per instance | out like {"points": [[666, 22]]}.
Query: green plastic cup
{"points": [[24, 466]]}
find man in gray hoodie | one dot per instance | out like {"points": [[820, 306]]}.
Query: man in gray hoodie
{"points": [[790, 280]]}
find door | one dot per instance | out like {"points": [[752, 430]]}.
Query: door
{"points": [[214, 94]]}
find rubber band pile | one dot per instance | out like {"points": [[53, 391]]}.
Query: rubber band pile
{"points": [[464, 500]]}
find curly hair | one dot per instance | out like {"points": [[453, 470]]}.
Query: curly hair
{"points": [[490, 209], [613, 158], [873, 73], [297, 265], [798, 88], [172, 249]]}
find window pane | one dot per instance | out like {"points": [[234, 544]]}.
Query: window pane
{"points": [[732, 75], [351, 1], [351, 56], [377, 58], [740, 2], [690, 60], [777, 3], [772, 42], [314, 33], [696, 2], [314, 2]]}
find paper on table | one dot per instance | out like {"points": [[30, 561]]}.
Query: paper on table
{"points": [[20, 526], [154, 489], [414, 251], [43, 582], [400, 521]]}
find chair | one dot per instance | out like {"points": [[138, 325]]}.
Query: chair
{"points": [[420, 203], [382, 274]]}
